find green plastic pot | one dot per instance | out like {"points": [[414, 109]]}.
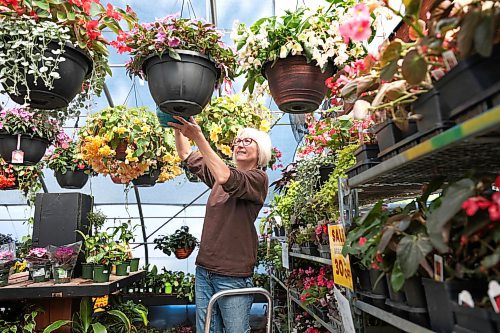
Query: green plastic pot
{"points": [[4, 277], [134, 264], [101, 273], [122, 269], [168, 288], [62, 274], [88, 271], [39, 273]]}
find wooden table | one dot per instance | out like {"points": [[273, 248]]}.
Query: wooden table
{"points": [[60, 301]]}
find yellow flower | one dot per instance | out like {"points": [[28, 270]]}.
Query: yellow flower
{"points": [[120, 130], [131, 158], [265, 126], [106, 151], [226, 150], [176, 170], [137, 121], [146, 128], [169, 158], [214, 137]]}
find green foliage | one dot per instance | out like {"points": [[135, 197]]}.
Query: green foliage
{"points": [[67, 159], [180, 239], [19, 319], [96, 220]]}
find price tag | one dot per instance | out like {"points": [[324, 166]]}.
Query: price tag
{"points": [[340, 264], [100, 302], [284, 255], [17, 157]]}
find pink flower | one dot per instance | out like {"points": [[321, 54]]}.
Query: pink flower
{"points": [[472, 205], [358, 26], [174, 42], [362, 241]]}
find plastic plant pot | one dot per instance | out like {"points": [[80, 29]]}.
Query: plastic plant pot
{"points": [[134, 264], [168, 288], [296, 85], [148, 179], [62, 274], [87, 271], [122, 269], [73, 180], [101, 273], [33, 148], [165, 118], [181, 87], [4, 277], [367, 153], [72, 73], [39, 273]]}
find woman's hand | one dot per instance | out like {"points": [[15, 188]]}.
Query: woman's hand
{"points": [[190, 129]]}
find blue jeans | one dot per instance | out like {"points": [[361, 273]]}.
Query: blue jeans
{"points": [[231, 313]]}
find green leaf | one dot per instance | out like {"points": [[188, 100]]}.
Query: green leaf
{"points": [[387, 73], [451, 204], [391, 53], [411, 251], [42, 4], [483, 36], [96, 9], [414, 67], [397, 277], [99, 328], [491, 260], [412, 8], [122, 316], [86, 313], [61, 16], [56, 325], [174, 55]]}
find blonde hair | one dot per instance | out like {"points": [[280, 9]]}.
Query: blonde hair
{"points": [[263, 142]]}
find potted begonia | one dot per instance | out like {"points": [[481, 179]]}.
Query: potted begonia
{"points": [[69, 168], [126, 143], [63, 259], [182, 60], [298, 51], [25, 135], [39, 264], [51, 51], [7, 258]]}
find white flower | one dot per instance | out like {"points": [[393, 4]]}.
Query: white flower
{"points": [[43, 69], [341, 58], [283, 52], [297, 49], [257, 63]]}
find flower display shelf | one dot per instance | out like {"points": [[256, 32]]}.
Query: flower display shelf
{"points": [[328, 326], [22, 288], [311, 258], [443, 154], [402, 324], [154, 299], [279, 282]]}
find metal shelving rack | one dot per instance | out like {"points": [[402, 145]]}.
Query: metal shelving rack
{"points": [[318, 319], [473, 145], [311, 258]]}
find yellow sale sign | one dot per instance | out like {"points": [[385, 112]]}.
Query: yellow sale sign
{"points": [[341, 266]]}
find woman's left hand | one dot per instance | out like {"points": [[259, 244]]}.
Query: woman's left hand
{"points": [[190, 129]]}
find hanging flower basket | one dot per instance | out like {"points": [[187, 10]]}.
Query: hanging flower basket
{"points": [[148, 179], [183, 253], [181, 87], [71, 73], [72, 180], [33, 147], [117, 180], [296, 85]]}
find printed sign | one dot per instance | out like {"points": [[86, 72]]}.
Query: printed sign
{"points": [[284, 255], [100, 302], [340, 264], [345, 311]]}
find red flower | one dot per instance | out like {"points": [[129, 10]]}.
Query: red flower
{"points": [[93, 29], [111, 13], [120, 47], [494, 209], [362, 241], [472, 205], [497, 182]]}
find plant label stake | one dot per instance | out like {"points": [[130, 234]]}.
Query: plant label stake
{"points": [[438, 268], [18, 154]]}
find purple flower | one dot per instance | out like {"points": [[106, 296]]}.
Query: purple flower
{"points": [[39, 252], [174, 42], [6, 255], [160, 37]]}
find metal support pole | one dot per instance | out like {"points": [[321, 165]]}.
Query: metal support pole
{"points": [[235, 292], [213, 11], [143, 227], [108, 95], [44, 186]]}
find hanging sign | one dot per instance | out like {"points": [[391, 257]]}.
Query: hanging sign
{"points": [[340, 264]]}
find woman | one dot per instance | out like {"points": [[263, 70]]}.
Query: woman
{"points": [[228, 247]]}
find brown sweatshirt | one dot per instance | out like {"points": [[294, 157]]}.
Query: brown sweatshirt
{"points": [[229, 240]]}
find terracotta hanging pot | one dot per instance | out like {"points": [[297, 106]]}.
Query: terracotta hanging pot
{"points": [[116, 180], [183, 253], [297, 86], [121, 151]]}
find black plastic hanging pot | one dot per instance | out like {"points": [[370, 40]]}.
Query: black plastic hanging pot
{"points": [[33, 148], [72, 73], [147, 180], [181, 87], [73, 180]]}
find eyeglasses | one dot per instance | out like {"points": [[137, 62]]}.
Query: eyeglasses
{"points": [[245, 142]]}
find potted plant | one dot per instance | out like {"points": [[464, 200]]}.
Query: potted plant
{"points": [[125, 232], [23, 178], [102, 258], [63, 259], [28, 132], [226, 116], [305, 238], [52, 50], [298, 51], [125, 143], [96, 220], [69, 168], [322, 240], [7, 258], [119, 253], [39, 264], [182, 60], [181, 243]]}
